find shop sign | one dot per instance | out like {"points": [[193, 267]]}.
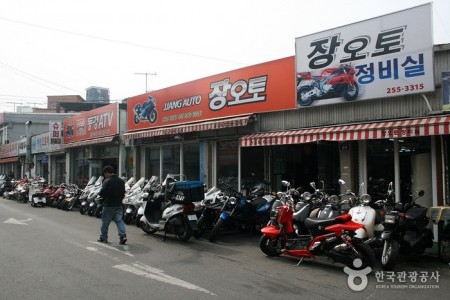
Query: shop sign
{"points": [[9, 150], [260, 88], [55, 130], [446, 90], [96, 123], [388, 56], [22, 146]]}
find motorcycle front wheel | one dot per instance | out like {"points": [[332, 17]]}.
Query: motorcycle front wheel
{"points": [[147, 229], [270, 246], [351, 91], [152, 116], [83, 209], [389, 256], [184, 232], [202, 226], [366, 255], [215, 231]]}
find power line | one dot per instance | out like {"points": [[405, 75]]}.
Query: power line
{"points": [[120, 42], [35, 78]]}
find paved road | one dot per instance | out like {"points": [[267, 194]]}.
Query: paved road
{"points": [[46, 253]]}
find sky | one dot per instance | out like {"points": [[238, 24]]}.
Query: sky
{"points": [[62, 47]]}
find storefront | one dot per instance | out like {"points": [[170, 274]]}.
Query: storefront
{"points": [[9, 162], [91, 142], [194, 128]]}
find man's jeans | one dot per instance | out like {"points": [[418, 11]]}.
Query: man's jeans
{"points": [[109, 214]]}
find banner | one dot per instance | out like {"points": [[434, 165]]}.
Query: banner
{"points": [[383, 57], [96, 123], [55, 130], [260, 88]]}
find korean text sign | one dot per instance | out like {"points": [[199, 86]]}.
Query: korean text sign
{"points": [[259, 88], [382, 57], [96, 123]]}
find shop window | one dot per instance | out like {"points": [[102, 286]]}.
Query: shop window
{"points": [[171, 160], [252, 164], [227, 162], [380, 166], [191, 163], [414, 164], [152, 160]]}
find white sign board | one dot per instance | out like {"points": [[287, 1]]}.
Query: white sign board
{"points": [[388, 56]]}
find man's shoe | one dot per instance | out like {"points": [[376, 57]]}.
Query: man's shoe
{"points": [[123, 240], [101, 240]]}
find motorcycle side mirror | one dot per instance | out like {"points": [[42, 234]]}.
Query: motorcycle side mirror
{"points": [[313, 184], [341, 181], [421, 193]]}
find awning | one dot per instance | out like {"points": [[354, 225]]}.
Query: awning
{"points": [[193, 127], [377, 130], [9, 159], [101, 140]]}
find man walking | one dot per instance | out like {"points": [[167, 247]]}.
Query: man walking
{"points": [[112, 192]]}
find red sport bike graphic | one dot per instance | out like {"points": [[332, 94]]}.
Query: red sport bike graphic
{"points": [[331, 83]]}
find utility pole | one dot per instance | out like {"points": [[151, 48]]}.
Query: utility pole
{"points": [[146, 75]]}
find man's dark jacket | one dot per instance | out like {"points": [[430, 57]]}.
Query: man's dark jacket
{"points": [[113, 191]]}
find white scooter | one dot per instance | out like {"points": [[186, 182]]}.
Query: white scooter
{"points": [[35, 194], [131, 199], [171, 209]]}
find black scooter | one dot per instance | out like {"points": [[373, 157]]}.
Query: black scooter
{"points": [[405, 230]]}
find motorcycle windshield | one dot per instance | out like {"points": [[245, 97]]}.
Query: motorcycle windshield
{"points": [[150, 183], [99, 180], [92, 180], [138, 183], [212, 191]]}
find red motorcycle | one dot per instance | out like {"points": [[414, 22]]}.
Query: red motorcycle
{"points": [[332, 238], [331, 83]]}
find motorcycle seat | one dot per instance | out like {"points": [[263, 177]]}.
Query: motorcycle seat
{"points": [[316, 222], [415, 213]]}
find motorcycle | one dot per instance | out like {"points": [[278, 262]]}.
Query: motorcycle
{"points": [[210, 208], [6, 185], [131, 201], [333, 82], [171, 209], [146, 111], [332, 238], [243, 212], [72, 197], [84, 206], [36, 193], [92, 200], [405, 231]]}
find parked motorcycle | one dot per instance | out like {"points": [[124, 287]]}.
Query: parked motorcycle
{"points": [[92, 200], [332, 238], [72, 197], [405, 231], [146, 111], [36, 192], [171, 209], [6, 185], [333, 82], [211, 205], [84, 206], [131, 200], [243, 212]]}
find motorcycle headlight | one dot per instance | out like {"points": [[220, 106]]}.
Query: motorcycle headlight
{"points": [[390, 219], [365, 199], [232, 200], [306, 196], [334, 199]]}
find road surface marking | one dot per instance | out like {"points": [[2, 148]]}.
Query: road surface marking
{"points": [[14, 221], [126, 252], [159, 275]]}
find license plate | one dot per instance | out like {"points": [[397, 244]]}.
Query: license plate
{"points": [[192, 217]]}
